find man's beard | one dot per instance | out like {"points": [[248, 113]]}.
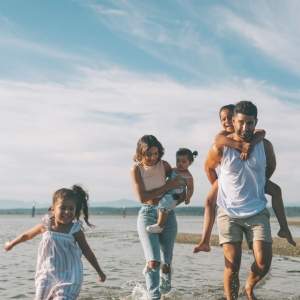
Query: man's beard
{"points": [[247, 135]]}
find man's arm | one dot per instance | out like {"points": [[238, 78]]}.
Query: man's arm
{"points": [[89, 254], [212, 161], [270, 158]]}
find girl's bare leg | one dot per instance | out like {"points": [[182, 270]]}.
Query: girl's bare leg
{"points": [[209, 219], [274, 191]]}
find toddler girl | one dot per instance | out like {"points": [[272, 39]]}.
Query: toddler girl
{"points": [[184, 158], [59, 267]]}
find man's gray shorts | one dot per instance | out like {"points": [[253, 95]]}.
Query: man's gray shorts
{"points": [[255, 228]]}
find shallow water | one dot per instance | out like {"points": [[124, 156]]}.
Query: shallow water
{"points": [[116, 245]]}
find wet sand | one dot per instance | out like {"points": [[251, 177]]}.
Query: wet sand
{"points": [[117, 247], [294, 222], [280, 246]]}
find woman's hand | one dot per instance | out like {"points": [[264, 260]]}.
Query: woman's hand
{"points": [[181, 197], [176, 182]]}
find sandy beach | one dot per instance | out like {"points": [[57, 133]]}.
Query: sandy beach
{"points": [[280, 246], [116, 244]]}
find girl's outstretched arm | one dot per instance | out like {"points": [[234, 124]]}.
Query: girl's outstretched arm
{"points": [[222, 139], [245, 148], [89, 254], [27, 235]]}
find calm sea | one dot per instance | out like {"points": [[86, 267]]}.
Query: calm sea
{"points": [[116, 245]]}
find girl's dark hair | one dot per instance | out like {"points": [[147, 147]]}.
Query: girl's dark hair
{"points": [[190, 155], [79, 196], [229, 107], [144, 144]]}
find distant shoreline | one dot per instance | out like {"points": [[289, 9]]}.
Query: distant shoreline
{"points": [[280, 246], [130, 210]]}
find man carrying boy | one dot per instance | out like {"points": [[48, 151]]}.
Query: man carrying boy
{"points": [[241, 201]]}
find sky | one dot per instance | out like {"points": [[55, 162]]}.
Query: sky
{"points": [[81, 81]]}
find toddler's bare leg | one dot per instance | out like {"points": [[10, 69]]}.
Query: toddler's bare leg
{"points": [[162, 217]]}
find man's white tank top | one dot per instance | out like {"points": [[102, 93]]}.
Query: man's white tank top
{"points": [[241, 183]]}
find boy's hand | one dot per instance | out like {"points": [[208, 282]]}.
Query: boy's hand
{"points": [[102, 277], [246, 149], [244, 156], [8, 246]]}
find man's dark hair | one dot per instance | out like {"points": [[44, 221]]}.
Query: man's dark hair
{"points": [[229, 107], [246, 108]]}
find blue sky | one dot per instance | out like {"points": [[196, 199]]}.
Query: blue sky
{"points": [[81, 81]]}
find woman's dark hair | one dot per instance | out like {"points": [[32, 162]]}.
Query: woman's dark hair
{"points": [[229, 107], [190, 155], [246, 108], [79, 196], [144, 144]]}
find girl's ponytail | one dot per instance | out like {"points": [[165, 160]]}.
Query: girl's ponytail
{"points": [[195, 154], [185, 151], [82, 198]]}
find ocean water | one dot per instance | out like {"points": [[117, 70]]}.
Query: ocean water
{"points": [[116, 245]]}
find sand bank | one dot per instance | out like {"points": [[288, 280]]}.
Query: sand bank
{"points": [[280, 246]]}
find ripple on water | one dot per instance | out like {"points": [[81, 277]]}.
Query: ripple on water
{"points": [[19, 296]]}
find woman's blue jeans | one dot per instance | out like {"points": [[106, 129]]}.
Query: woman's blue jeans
{"points": [[155, 244]]}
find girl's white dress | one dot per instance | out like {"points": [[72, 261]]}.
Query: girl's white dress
{"points": [[59, 268]]}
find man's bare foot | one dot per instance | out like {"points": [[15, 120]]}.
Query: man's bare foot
{"points": [[286, 234], [205, 247]]}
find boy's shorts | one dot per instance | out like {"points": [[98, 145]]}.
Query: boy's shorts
{"points": [[255, 228]]}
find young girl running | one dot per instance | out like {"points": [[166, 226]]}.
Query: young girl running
{"points": [[226, 114], [59, 269], [184, 158]]}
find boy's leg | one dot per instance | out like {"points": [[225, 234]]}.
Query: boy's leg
{"points": [[274, 191], [209, 219]]}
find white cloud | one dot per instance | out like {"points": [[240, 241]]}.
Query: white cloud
{"points": [[172, 40], [272, 27], [50, 139]]}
